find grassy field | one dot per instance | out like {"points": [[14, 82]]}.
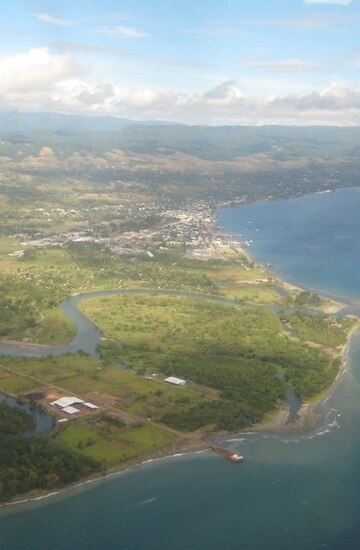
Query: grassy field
{"points": [[322, 329], [234, 273], [81, 375], [98, 435], [246, 283], [259, 294], [17, 384], [36, 283], [54, 328], [110, 444], [52, 369]]}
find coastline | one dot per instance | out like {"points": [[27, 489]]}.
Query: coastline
{"points": [[309, 419], [176, 450]]}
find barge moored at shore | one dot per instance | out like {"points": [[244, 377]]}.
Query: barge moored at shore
{"points": [[230, 455]]}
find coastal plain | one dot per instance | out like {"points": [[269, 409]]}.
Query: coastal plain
{"points": [[238, 359], [236, 335]]}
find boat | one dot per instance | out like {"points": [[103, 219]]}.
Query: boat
{"points": [[230, 455]]}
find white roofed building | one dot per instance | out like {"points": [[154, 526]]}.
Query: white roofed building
{"points": [[67, 402], [66, 405], [70, 410], [90, 405], [175, 381]]}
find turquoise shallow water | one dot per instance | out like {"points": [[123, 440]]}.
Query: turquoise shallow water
{"points": [[291, 492]]}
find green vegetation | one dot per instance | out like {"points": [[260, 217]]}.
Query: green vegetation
{"points": [[16, 384], [305, 298], [253, 294], [80, 374], [34, 463], [52, 369], [169, 271], [320, 329], [236, 351], [30, 293], [14, 420], [110, 441], [92, 212], [308, 370], [234, 272], [54, 328]]}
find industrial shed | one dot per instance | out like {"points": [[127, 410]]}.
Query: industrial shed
{"points": [[175, 381], [67, 402]]}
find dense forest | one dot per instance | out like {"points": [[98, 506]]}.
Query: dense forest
{"points": [[35, 463], [14, 420]]}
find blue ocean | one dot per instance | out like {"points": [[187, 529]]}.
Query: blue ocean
{"points": [[292, 492], [312, 241]]}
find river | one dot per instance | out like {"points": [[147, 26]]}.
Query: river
{"points": [[88, 335], [292, 491]]}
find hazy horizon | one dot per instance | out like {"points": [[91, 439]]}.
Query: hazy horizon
{"points": [[284, 63]]}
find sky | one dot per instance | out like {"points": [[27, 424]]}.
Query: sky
{"points": [[190, 61]]}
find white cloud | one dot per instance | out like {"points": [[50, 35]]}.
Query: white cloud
{"points": [[39, 80], [147, 98], [52, 20], [76, 95], [34, 70], [335, 2], [224, 94], [121, 31], [226, 104], [335, 98]]}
